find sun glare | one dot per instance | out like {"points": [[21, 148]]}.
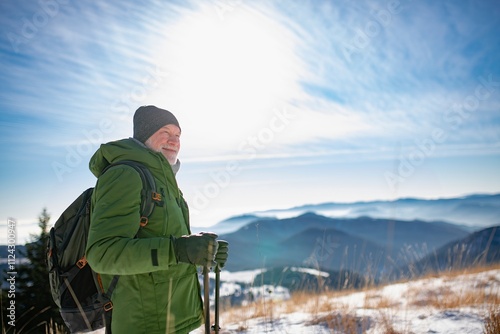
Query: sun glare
{"points": [[244, 53], [227, 77], [236, 69]]}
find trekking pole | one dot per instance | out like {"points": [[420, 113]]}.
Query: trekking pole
{"points": [[206, 298], [217, 285]]}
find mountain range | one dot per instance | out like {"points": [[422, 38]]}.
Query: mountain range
{"points": [[472, 213], [356, 244], [376, 247]]}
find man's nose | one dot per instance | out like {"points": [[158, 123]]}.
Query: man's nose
{"points": [[173, 139]]}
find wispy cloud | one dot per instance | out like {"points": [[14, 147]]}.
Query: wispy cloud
{"points": [[65, 71], [400, 69]]}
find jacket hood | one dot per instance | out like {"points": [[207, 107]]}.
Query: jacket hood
{"points": [[126, 149]]}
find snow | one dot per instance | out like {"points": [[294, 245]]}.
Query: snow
{"points": [[246, 276], [310, 271], [416, 307]]}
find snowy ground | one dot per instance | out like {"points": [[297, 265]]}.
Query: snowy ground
{"points": [[446, 305]]}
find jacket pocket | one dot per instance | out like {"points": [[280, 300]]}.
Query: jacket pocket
{"points": [[177, 299]]}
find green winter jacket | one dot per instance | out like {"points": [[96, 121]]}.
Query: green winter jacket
{"points": [[154, 294]]}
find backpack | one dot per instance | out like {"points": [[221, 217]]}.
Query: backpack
{"points": [[76, 289]]}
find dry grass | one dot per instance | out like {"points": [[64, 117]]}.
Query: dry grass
{"points": [[386, 323], [49, 327], [492, 322], [342, 322], [375, 300], [448, 296]]}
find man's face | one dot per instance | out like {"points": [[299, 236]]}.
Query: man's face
{"points": [[167, 141]]}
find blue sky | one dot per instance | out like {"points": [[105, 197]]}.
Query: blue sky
{"points": [[281, 103]]}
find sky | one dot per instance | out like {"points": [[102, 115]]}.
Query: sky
{"points": [[281, 103]]}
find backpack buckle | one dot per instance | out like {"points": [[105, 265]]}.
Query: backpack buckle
{"points": [[156, 196], [144, 221], [81, 263], [108, 306]]}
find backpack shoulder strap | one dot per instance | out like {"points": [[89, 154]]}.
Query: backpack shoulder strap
{"points": [[149, 196]]}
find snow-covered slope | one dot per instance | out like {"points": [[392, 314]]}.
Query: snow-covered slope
{"points": [[446, 304]]}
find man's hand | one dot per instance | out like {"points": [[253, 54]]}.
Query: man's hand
{"points": [[222, 253], [199, 249]]}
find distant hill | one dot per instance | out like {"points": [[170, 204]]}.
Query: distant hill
{"points": [[332, 249], [479, 248], [473, 212], [358, 244], [229, 225], [305, 279]]}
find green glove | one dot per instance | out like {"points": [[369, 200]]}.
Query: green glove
{"points": [[196, 249], [222, 253]]}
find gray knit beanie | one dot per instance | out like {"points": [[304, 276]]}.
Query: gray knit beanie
{"points": [[149, 119]]}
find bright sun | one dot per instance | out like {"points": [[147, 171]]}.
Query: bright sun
{"points": [[227, 76], [242, 53], [234, 68]]}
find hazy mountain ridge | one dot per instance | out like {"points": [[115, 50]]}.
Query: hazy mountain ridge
{"points": [[473, 212], [356, 244], [331, 249], [479, 248]]}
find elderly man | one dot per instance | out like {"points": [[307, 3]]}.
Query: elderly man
{"points": [[158, 289]]}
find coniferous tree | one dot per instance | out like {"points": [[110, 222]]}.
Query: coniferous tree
{"points": [[37, 312]]}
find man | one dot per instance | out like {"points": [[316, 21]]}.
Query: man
{"points": [[158, 289]]}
